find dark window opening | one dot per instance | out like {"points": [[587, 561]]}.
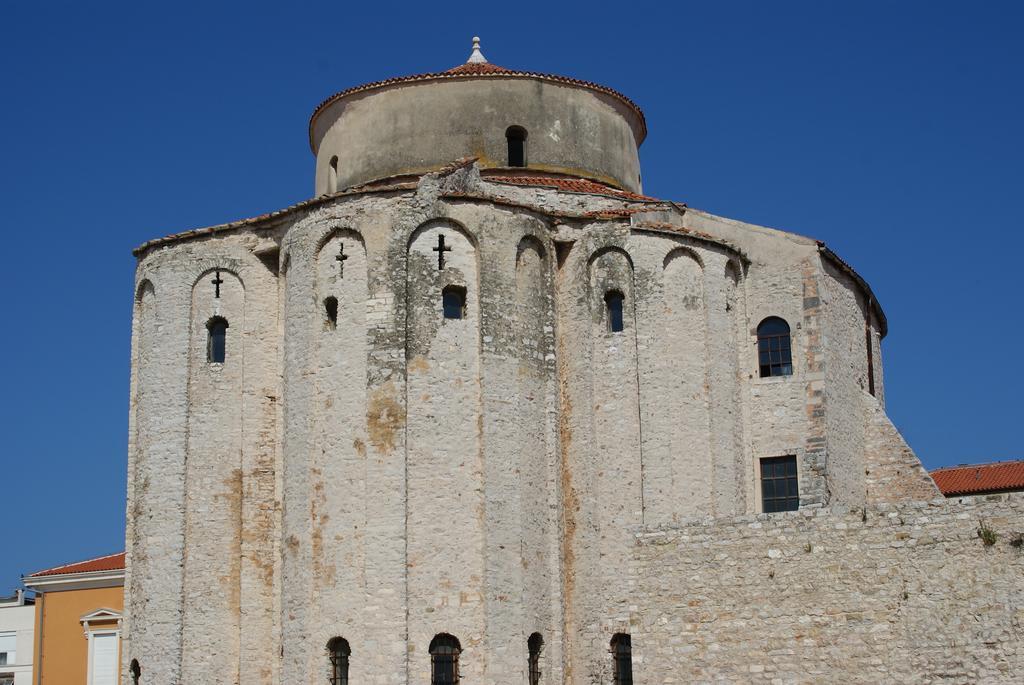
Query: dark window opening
{"points": [[774, 352], [338, 652], [444, 660], [516, 138], [135, 671], [535, 645], [622, 655], [331, 309], [453, 301], [613, 300], [216, 342], [779, 488]]}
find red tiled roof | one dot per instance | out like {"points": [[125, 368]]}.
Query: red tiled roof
{"points": [[572, 185], [478, 68], [475, 70], [972, 479], [110, 562]]}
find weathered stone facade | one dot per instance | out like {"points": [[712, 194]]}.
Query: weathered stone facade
{"points": [[361, 466]]}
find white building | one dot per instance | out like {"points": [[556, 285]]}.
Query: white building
{"points": [[480, 412], [17, 628]]}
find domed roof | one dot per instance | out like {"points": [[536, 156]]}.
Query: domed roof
{"points": [[477, 66]]}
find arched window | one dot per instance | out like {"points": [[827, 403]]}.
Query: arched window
{"points": [[453, 301], [216, 342], [135, 671], [535, 645], [338, 652], [331, 310], [774, 353], [444, 659], [613, 300], [515, 136], [332, 175], [622, 656]]}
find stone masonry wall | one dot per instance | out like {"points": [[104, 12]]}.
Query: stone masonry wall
{"points": [[893, 593]]}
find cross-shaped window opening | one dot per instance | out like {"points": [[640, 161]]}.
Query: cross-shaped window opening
{"points": [[440, 250]]}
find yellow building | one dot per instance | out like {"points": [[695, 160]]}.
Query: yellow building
{"points": [[78, 622]]}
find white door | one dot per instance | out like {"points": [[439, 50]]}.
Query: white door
{"points": [[104, 659]]}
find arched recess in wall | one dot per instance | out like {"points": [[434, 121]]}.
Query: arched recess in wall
{"points": [[531, 450], [615, 386], [441, 254], [213, 467], [338, 459], [677, 462], [332, 175], [145, 433], [442, 437], [532, 301], [341, 278]]}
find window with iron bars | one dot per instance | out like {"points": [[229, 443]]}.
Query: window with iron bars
{"points": [[338, 652]]}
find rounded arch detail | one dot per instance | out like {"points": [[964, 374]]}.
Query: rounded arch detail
{"points": [[682, 253], [223, 270], [445, 223], [609, 249], [144, 288]]}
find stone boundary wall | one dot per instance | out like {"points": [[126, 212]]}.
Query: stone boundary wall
{"points": [[892, 593]]}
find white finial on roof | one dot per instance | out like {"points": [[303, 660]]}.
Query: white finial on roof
{"points": [[476, 57]]}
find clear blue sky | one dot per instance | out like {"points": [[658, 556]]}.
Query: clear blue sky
{"points": [[890, 130]]}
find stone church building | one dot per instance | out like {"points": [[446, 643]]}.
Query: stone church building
{"points": [[483, 412]]}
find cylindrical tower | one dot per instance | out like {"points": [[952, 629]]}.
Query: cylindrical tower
{"points": [[512, 121], [417, 425]]}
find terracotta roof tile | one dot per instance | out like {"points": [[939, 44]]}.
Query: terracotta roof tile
{"points": [[477, 68], [572, 185], [110, 562], [971, 479]]}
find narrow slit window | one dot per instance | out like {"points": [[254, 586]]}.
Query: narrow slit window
{"points": [[331, 312], [780, 490], [453, 302], [515, 136], [135, 671], [338, 653], [444, 660], [622, 657], [613, 301], [216, 342], [332, 176], [535, 644], [774, 348]]}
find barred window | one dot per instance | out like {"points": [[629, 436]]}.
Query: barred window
{"points": [[444, 659], [780, 490], [338, 653], [613, 300], [622, 656], [774, 351], [216, 342], [535, 645]]}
